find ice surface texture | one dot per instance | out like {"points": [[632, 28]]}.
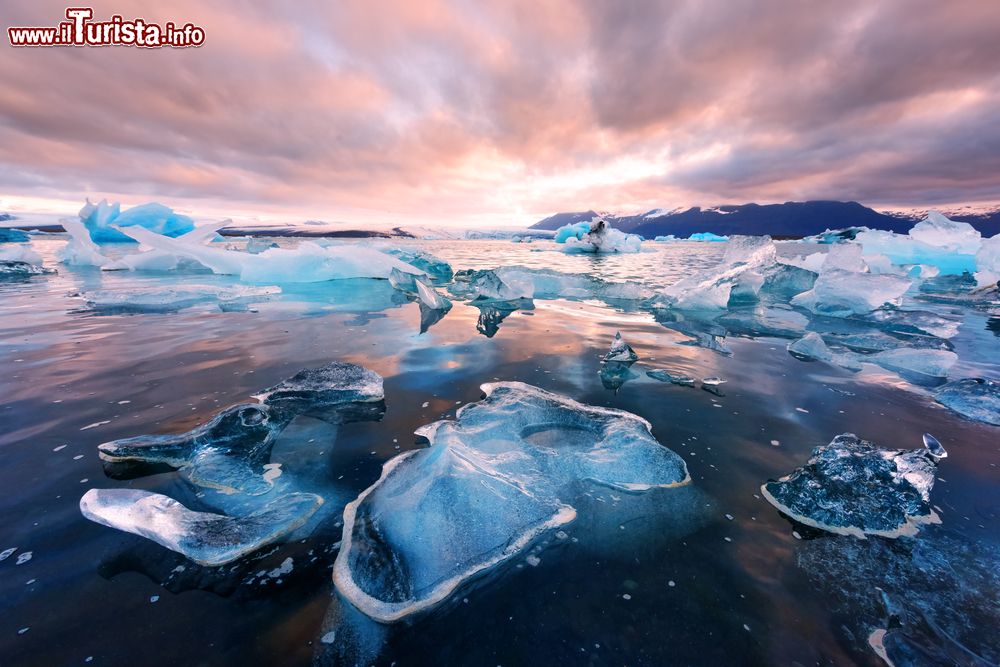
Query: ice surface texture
{"points": [[206, 538], [506, 469], [852, 487], [103, 219], [974, 398]]}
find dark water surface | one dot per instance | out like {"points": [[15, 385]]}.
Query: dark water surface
{"points": [[659, 578]]}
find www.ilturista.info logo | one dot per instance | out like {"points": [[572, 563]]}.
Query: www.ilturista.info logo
{"points": [[79, 30]]}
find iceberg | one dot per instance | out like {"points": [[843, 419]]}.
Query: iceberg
{"points": [[507, 469], [620, 350], [9, 235], [81, 249], [973, 398], [988, 263], [308, 263], [576, 230], [852, 487], [169, 299], [103, 221], [205, 538], [949, 245], [602, 237], [437, 269], [707, 236], [842, 290]]}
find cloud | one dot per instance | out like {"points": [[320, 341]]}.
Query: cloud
{"points": [[489, 112]]}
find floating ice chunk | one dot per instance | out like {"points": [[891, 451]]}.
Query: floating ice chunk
{"points": [[852, 487], [576, 230], [713, 381], [81, 249], [167, 299], [8, 235], [308, 263], [20, 261], [974, 398], [949, 245], [491, 285], [841, 293], [812, 346], [255, 246], [320, 392], [207, 539], [227, 453], [505, 470], [666, 376], [988, 263], [429, 296], [602, 237], [103, 221], [439, 270], [620, 350], [665, 239], [932, 363], [707, 236]]}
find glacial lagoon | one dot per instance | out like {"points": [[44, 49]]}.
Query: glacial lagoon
{"points": [[624, 511]]}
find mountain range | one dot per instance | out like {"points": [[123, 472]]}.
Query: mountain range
{"points": [[788, 220]]}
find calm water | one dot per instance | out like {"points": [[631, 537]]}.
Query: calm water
{"points": [[669, 580]]}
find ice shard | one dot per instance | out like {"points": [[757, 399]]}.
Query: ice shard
{"points": [[205, 538], [620, 350], [81, 249], [667, 376], [974, 398], [852, 487], [506, 469]]}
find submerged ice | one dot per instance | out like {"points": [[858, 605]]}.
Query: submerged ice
{"points": [[852, 487], [506, 469]]}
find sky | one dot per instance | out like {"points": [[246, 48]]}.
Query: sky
{"points": [[488, 112]]}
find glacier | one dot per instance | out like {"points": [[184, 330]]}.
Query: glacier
{"points": [[852, 487], [505, 470]]}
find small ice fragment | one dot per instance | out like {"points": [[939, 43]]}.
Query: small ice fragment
{"points": [[665, 376], [272, 471], [286, 567], [425, 404], [154, 598], [24, 558], [620, 350], [671, 583], [23, 630], [934, 446], [533, 560], [59, 448], [329, 637], [626, 596], [729, 517], [713, 381], [803, 410], [95, 425], [6, 553], [775, 443]]}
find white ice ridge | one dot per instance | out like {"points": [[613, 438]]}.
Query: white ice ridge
{"points": [[506, 469], [308, 263], [207, 539]]}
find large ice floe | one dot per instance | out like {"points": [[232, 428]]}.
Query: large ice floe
{"points": [[974, 398], [231, 454], [601, 237], [104, 221], [852, 487], [205, 538], [505, 470]]}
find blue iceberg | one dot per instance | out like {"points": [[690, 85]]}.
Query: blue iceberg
{"points": [[102, 218]]}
